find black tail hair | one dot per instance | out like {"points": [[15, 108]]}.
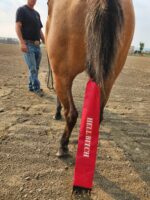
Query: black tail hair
{"points": [[103, 24]]}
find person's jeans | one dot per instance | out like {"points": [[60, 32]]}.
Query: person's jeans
{"points": [[33, 59]]}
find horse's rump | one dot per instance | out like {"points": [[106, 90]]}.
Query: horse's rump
{"points": [[65, 35]]}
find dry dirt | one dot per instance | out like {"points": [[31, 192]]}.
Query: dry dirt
{"points": [[29, 136]]}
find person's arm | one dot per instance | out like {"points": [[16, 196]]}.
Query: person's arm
{"points": [[42, 36], [23, 45]]}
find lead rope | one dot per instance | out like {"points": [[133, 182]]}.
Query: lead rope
{"points": [[50, 75]]}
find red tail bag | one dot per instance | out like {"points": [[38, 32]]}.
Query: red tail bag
{"points": [[88, 138]]}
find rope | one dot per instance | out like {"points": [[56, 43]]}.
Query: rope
{"points": [[50, 75]]}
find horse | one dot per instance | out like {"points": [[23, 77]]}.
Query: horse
{"points": [[86, 35]]}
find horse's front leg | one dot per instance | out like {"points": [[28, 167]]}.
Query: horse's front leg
{"points": [[57, 115], [65, 95]]}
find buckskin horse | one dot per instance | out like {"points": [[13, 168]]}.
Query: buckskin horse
{"points": [[91, 35]]}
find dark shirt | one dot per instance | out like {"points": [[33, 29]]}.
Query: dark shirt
{"points": [[31, 23]]}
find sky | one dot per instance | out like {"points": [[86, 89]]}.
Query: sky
{"points": [[8, 9]]}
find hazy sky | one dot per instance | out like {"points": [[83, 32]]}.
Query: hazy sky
{"points": [[8, 9]]}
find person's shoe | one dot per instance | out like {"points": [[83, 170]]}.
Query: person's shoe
{"points": [[39, 92], [31, 90]]}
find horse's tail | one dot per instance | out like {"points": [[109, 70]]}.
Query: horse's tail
{"points": [[103, 24]]}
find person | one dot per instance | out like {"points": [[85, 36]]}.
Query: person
{"points": [[29, 32]]}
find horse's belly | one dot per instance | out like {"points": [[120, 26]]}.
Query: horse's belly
{"points": [[66, 37]]}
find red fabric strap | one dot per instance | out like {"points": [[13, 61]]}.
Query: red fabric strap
{"points": [[88, 137]]}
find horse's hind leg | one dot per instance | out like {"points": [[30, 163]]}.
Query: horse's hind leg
{"points": [[57, 115], [108, 84], [65, 95]]}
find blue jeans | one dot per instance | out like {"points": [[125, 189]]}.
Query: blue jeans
{"points": [[33, 59]]}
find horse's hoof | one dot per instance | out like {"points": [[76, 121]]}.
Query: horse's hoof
{"points": [[62, 153], [57, 117], [81, 194]]}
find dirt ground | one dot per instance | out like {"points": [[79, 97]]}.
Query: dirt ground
{"points": [[29, 136]]}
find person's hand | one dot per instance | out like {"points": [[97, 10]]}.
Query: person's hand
{"points": [[23, 47]]}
